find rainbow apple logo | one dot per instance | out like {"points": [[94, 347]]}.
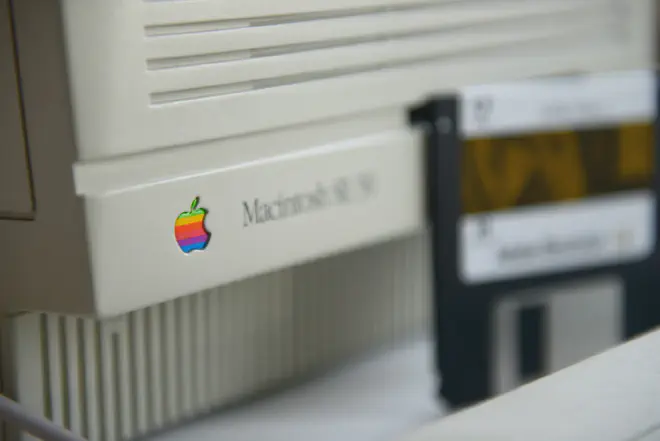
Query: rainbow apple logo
{"points": [[189, 229]]}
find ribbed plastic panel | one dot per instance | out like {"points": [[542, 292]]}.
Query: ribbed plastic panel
{"points": [[174, 73], [114, 380], [203, 57]]}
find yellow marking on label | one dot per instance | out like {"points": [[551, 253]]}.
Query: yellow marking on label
{"points": [[513, 171]]}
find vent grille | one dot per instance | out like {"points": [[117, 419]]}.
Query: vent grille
{"points": [[150, 369], [198, 59]]}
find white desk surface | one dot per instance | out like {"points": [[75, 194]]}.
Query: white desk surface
{"points": [[613, 396], [380, 398]]}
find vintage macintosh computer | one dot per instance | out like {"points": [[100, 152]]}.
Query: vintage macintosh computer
{"points": [[155, 150]]}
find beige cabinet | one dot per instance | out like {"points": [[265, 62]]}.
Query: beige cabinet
{"points": [[15, 189]]}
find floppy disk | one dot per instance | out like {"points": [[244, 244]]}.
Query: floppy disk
{"points": [[542, 199]]}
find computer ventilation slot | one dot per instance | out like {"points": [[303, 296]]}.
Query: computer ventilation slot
{"points": [[198, 59]]}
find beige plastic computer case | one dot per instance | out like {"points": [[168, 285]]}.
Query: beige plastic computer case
{"points": [[135, 109]]}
